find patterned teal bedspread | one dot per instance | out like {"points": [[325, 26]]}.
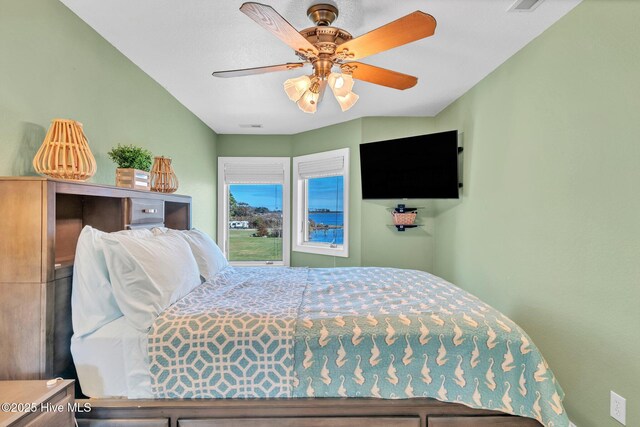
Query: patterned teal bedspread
{"points": [[357, 332]]}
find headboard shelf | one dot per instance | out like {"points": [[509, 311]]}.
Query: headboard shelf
{"points": [[42, 219], [101, 190]]}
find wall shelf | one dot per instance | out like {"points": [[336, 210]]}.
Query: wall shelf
{"points": [[427, 207], [402, 227], [402, 210], [397, 209]]}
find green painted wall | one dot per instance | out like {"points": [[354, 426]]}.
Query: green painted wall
{"points": [[331, 138], [254, 145], [548, 229], [53, 65], [370, 233], [382, 244], [373, 241]]}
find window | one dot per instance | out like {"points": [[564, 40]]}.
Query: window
{"points": [[253, 210], [321, 203]]}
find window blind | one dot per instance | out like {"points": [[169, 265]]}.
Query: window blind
{"points": [[253, 173], [330, 166]]}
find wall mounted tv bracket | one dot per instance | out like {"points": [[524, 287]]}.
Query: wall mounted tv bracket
{"points": [[460, 164]]}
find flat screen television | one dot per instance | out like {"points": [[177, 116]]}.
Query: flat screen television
{"points": [[418, 167]]}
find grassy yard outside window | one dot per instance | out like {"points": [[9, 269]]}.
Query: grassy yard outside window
{"points": [[253, 204]]}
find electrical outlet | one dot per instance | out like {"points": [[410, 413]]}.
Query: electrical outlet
{"points": [[619, 408]]}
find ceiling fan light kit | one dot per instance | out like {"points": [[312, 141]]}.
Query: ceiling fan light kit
{"points": [[347, 101], [309, 101], [305, 91], [325, 47], [295, 88], [340, 84]]}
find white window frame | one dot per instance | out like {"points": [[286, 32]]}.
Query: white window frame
{"points": [[223, 205], [300, 210]]}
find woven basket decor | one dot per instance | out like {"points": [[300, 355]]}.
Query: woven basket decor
{"points": [[406, 218]]}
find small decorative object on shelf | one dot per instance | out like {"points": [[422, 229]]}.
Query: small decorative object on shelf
{"points": [[133, 166], [404, 217], [132, 178], [163, 178], [65, 152]]}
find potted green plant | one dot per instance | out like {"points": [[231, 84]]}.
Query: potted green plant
{"points": [[133, 164]]}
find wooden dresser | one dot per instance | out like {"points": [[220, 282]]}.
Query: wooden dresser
{"points": [[34, 404], [41, 222]]}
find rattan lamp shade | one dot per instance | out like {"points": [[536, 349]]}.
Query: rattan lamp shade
{"points": [[65, 152], [163, 178]]}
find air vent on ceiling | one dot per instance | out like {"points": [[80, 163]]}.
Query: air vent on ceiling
{"points": [[524, 5], [251, 126]]}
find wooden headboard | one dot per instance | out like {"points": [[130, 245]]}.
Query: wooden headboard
{"points": [[42, 220]]}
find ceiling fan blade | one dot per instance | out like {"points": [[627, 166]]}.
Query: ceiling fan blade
{"points": [[379, 76], [258, 70], [412, 27], [271, 20]]}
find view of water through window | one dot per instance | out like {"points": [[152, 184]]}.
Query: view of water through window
{"points": [[255, 218], [325, 210]]}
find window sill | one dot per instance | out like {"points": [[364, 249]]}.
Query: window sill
{"points": [[258, 264], [341, 251]]}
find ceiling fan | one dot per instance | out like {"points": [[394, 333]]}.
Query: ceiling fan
{"points": [[326, 47]]}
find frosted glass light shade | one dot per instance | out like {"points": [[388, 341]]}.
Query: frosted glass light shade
{"points": [[309, 102], [295, 88], [340, 84], [65, 152], [347, 101]]}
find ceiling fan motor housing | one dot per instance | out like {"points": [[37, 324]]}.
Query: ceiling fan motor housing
{"points": [[324, 37], [322, 67], [322, 14]]}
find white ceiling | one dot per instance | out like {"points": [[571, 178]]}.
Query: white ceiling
{"points": [[180, 42]]}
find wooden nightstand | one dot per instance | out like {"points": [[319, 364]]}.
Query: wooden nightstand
{"points": [[33, 404]]}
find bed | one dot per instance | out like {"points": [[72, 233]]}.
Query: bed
{"points": [[294, 345]]}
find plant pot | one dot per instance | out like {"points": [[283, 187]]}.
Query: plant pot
{"points": [[133, 178]]}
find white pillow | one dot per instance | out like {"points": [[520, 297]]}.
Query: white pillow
{"points": [[92, 301], [159, 230], [208, 255], [149, 274]]}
